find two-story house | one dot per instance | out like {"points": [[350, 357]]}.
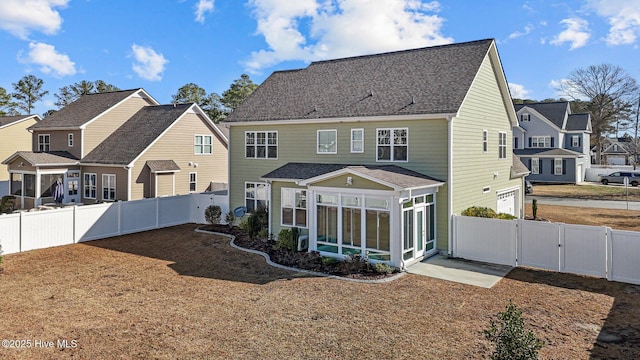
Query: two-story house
{"points": [[371, 155], [119, 145], [14, 137], [552, 142]]}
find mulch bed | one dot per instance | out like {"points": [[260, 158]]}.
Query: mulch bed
{"points": [[354, 268]]}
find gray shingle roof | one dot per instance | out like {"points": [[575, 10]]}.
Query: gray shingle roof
{"points": [[82, 110], [431, 80], [43, 158], [518, 169], [578, 122], [547, 152], [162, 165], [553, 111], [135, 135], [6, 120], [393, 174]]}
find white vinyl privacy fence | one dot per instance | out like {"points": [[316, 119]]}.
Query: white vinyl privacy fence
{"points": [[27, 230], [577, 249]]}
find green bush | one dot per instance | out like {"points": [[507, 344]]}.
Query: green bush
{"points": [[534, 208], [511, 340], [382, 268], [329, 261], [258, 223], [479, 211], [212, 214], [0, 254], [230, 218], [286, 240], [505, 216]]}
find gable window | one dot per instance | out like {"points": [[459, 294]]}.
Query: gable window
{"points": [[294, 207], [502, 145], [193, 182], [485, 141], [557, 166], [202, 144], [109, 187], [357, 140], [525, 117], [90, 180], [261, 144], [540, 141], [392, 144], [327, 142], [255, 196], [43, 142], [70, 140], [535, 166], [575, 141]]}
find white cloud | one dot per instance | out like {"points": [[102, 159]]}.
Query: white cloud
{"points": [[527, 30], [317, 29], [49, 60], [518, 91], [148, 64], [563, 89], [202, 7], [577, 33], [20, 17], [623, 16]]}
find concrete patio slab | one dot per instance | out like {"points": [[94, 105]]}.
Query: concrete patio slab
{"points": [[461, 271]]}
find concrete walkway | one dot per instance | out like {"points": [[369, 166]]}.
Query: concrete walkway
{"points": [[461, 271], [603, 204]]}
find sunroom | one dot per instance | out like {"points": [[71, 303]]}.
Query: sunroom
{"points": [[384, 213]]}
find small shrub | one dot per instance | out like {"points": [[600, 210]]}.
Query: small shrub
{"points": [[258, 222], [0, 254], [354, 264], [479, 211], [505, 216], [534, 208], [244, 225], [212, 214], [511, 339], [285, 240], [230, 218], [329, 261], [382, 268]]}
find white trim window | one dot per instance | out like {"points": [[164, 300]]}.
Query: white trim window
{"points": [[193, 182], [392, 144], [109, 187], [90, 187], [261, 144], [357, 140], [202, 144], [541, 141], [327, 142], [255, 196], [502, 145], [557, 166], [525, 117], [294, 207], [70, 140], [575, 141], [44, 141], [485, 141], [535, 165]]}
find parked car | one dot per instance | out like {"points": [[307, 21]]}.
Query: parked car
{"points": [[618, 178], [528, 188]]}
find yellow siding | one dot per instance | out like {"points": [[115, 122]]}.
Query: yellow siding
{"points": [[483, 109], [165, 184], [14, 138], [59, 141], [104, 125], [177, 145]]}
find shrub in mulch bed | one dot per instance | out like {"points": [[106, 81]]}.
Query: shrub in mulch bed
{"points": [[354, 267]]}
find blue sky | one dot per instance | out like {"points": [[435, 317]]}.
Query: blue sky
{"points": [[161, 45]]}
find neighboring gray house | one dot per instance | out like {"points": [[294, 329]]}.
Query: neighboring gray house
{"points": [[616, 151], [552, 142]]}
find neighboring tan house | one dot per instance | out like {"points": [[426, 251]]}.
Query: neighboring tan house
{"points": [[119, 146], [552, 142], [617, 151], [14, 136], [371, 155]]}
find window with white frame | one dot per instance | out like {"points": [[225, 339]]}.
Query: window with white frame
{"points": [[392, 144], [557, 166], [44, 142], [255, 196], [327, 142], [357, 140], [70, 140], [193, 182], [541, 141], [502, 145], [535, 165], [90, 180], [109, 187], [294, 207], [485, 141], [525, 117], [202, 144], [261, 144], [575, 141]]}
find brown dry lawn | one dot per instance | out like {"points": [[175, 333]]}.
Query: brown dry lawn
{"points": [[179, 294]]}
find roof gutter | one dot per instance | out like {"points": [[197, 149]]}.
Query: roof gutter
{"points": [[342, 119], [450, 185]]}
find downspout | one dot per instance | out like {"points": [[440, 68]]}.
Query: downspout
{"points": [[450, 185], [128, 168], [270, 205]]}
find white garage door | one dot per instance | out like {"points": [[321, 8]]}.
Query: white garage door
{"points": [[507, 203]]}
